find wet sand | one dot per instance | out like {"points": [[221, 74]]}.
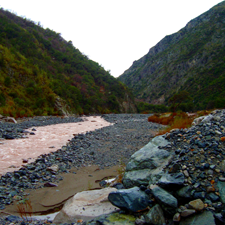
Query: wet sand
{"points": [[50, 199]]}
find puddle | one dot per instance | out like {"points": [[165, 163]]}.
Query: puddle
{"points": [[46, 202]]}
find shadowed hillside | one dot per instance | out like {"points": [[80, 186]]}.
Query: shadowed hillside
{"points": [[192, 60]]}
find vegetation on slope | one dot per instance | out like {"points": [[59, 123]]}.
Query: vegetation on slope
{"points": [[191, 59], [37, 65]]}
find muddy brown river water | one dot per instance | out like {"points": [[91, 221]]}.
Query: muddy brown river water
{"points": [[46, 139]]}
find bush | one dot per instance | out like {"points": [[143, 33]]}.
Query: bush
{"points": [[7, 82], [2, 99], [173, 121]]}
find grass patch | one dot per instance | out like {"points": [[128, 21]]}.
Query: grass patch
{"points": [[120, 172], [24, 208], [175, 120]]}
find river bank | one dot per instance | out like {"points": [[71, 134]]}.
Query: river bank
{"points": [[104, 148]]}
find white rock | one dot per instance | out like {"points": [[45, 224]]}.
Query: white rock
{"points": [[10, 119], [54, 168], [203, 119], [86, 205]]}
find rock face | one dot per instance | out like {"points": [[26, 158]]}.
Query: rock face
{"points": [[62, 106], [181, 61], [86, 205], [132, 199], [147, 163]]}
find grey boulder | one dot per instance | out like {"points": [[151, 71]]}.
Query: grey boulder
{"points": [[146, 164], [155, 216], [171, 181], [132, 199], [166, 200]]}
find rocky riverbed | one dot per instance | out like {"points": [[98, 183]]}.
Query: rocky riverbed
{"points": [[104, 147], [177, 178]]}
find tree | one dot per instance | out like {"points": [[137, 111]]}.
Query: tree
{"points": [[179, 98]]}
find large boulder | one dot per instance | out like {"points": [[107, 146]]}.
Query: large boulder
{"points": [[172, 181], [168, 202], [132, 199], [199, 219], [86, 205], [221, 187], [146, 164], [155, 216]]}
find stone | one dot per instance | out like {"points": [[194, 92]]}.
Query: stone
{"points": [[222, 165], [203, 119], [171, 181], [210, 189], [155, 216], [49, 184], [132, 199], [140, 177], [147, 163], [217, 170], [199, 194], [85, 206], [176, 217], [187, 212], [165, 199], [199, 219], [25, 160], [140, 221], [10, 119], [186, 174], [54, 168], [197, 204], [219, 219], [150, 156], [184, 193], [213, 197], [175, 168], [222, 179], [7, 136]]}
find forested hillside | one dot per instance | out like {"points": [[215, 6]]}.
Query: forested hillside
{"points": [[39, 69], [192, 60]]}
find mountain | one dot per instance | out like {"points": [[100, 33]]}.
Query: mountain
{"points": [[192, 60], [41, 73]]}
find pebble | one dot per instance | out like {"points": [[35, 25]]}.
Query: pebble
{"points": [[205, 159]]}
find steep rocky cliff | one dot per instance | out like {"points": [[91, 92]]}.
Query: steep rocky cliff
{"points": [[191, 59]]}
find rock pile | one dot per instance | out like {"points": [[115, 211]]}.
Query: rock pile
{"points": [[177, 178], [182, 174]]}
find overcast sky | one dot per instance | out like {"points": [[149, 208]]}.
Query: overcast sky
{"points": [[113, 33]]}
